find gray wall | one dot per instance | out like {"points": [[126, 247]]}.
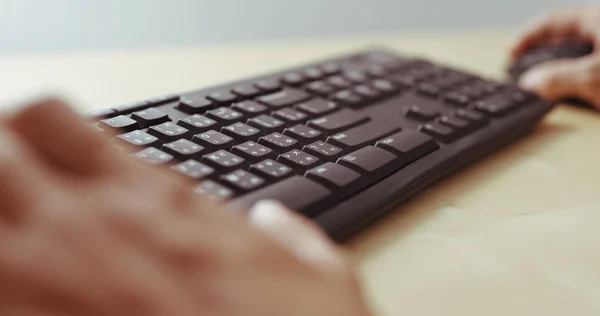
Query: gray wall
{"points": [[56, 25]]}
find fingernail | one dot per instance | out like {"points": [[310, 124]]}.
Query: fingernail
{"points": [[532, 80], [268, 212]]}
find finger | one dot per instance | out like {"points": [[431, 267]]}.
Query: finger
{"points": [[23, 179], [306, 241], [61, 137], [554, 26], [560, 79]]}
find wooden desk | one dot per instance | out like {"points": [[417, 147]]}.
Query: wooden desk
{"points": [[516, 234]]}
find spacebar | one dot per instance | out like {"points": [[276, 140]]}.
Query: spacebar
{"points": [[297, 193]]}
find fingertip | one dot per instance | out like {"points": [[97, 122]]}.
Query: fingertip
{"points": [[533, 79]]}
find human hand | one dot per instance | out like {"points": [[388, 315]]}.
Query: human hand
{"points": [[566, 78], [87, 230]]}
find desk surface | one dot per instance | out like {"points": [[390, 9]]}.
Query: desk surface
{"points": [[516, 234]]}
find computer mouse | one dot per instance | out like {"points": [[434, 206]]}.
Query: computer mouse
{"points": [[547, 53]]}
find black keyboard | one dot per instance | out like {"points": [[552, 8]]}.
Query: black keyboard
{"points": [[341, 141]]}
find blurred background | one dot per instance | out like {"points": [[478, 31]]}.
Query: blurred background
{"points": [[41, 26]]}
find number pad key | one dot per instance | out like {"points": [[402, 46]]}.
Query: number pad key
{"points": [[213, 139], [138, 138], [302, 132], [298, 159], [168, 132], [193, 169], [224, 115], [243, 180], [184, 149], [252, 151], [223, 159], [213, 190], [197, 123], [153, 156], [290, 115], [323, 150], [266, 123], [241, 131], [278, 141], [271, 169]]}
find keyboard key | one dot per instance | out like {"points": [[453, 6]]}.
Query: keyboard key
{"points": [[421, 113], [194, 106], [456, 123], [222, 97], [348, 97], [294, 79], [496, 109], [168, 132], [243, 180], [278, 142], [409, 145], [213, 190], [164, 99], [320, 88], [132, 107], [250, 107], [313, 73], [384, 86], [363, 135], [193, 169], [330, 68], [213, 139], [222, 159], [271, 169], [429, 90], [333, 175], [299, 160], [197, 123], [368, 159], [101, 114], [356, 76], [120, 122], [339, 82], [224, 115], [252, 151], [405, 81], [241, 131], [284, 98], [317, 107], [339, 121], [184, 149], [290, 115], [246, 91], [313, 199], [138, 139], [438, 131], [366, 92], [266, 123], [302, 133], [457, 99], [476, 118], [153, 156], [268, 85], [376, 71], [323, 150]]}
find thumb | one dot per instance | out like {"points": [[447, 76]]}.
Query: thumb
{"points": [[297, 234], [560, 79]]}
